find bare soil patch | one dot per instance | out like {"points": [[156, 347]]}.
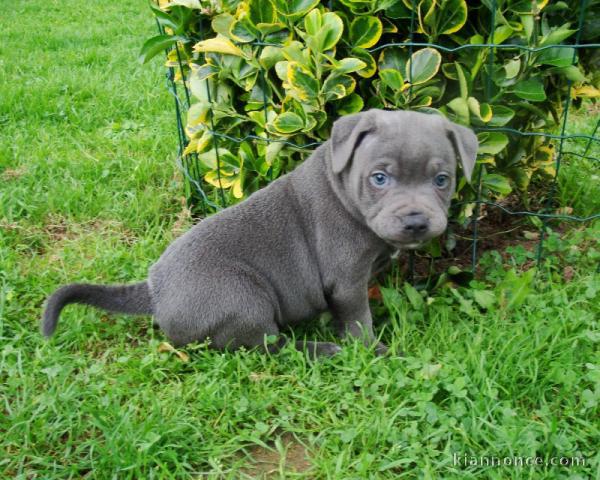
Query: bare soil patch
{"points": [[265, 462]]}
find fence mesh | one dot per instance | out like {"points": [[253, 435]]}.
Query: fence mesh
{"points": [[571, 146]]}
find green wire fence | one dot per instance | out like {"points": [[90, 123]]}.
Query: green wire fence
{"points": [[188, 163]]}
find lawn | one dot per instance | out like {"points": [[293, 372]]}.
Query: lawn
{"points": [[89, 191]]}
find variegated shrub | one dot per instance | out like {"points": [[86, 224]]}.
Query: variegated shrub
{"points": [[285, 70]]}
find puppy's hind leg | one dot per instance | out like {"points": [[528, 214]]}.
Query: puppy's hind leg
{"points": [[249, 322], [230, 313], [256, 333]]}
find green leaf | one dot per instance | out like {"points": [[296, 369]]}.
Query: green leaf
{"points": [[423, 65], [261, 11], [209, 91], [288, 122], [433, 247], [524, 6], [164, 19], [351, 104], [324, 31], [391, 297], [281, 69], [346, 436], [365, 31], [465, 306], [158, 44], [277, 28], [491, 143], [392, 78], [294, 9], [349, 65], [222, 23], [398, 10], [485, 298], [401, 461], [331, 31], [497, 183], [302, 81], [440, 17], [393, 57], [449, 71], [209, 158], [242, 31], [512, 68], [295, 52], [482, 112], [414, 297], [150, 439], [528, 23], [458, 276], [532, 90], [261, 427], [558, 57], [370, 66], [427, 12], [462, 81], [502, 33], [205, 71], [514, 289], [571, 72], [557, 35], [270, 56], [260, 92], [191, 4], [218, 44], [272, 151], [520, 177], [337, 86], [313, 22], [422, 101], [486, 112], [460, 107], [501, 115], [452, 17]]}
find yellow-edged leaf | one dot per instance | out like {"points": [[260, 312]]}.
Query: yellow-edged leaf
{"points": [[218, 44], [191, 147], [237, 189], [224, 181], [167, 347], [587, 91]]}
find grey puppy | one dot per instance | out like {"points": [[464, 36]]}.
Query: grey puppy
{"points": [[305, 244]]}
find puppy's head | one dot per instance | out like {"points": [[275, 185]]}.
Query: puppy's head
{"points": [[398, 170]]}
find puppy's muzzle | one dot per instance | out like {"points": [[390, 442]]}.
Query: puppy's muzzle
{"points": [[415, 225]]}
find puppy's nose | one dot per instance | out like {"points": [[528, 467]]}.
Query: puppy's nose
{"points": [[416, 223]]}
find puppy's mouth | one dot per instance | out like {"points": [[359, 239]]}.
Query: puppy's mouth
{"points": [[406, 245], [412, 246]]}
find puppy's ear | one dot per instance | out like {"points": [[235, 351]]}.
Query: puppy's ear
{"points": [[347, 133], [465, 144]]}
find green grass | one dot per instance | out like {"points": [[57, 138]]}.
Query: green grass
{"points": [[579, 177], [89, 191]]}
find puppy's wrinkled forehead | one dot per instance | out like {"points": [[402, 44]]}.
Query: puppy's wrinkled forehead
{"points": [[410, 137]]}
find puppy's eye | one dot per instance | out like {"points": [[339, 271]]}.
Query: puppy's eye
{"points": [[379, 179], [441, 180]]}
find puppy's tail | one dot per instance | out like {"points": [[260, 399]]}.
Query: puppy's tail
{"points": [[134, 298]]}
